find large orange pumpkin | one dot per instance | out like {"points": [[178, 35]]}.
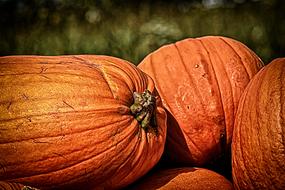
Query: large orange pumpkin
{"points": [[258, 146], [69, 121], [183, 178], [200, 81]]}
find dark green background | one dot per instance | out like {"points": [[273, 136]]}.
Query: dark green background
{"points": [[132, 29]]}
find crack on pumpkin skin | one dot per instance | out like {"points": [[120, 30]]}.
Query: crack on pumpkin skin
{"points": [[143, 109], [68, 104], [25, 97], [43, 69], [60, 155], [9, 105], [45, 77]]}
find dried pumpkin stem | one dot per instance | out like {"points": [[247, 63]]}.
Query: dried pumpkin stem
{"points": [[143, 109]]}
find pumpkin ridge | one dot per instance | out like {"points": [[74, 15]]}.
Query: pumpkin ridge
{"points": [[128, 158], [138, 159], [55, 113], [126, 71], [281, 103], [257, 61], [240, 131], [282, 122], [47, 73], [258, 114], [123, 74], [122, 163], [228, 125], [57, 135], [224, 130], [194, 87], [214, 71], [153, 71], [236, 53], [84, 60], [64, 156], [48, 80], [74, 164]]}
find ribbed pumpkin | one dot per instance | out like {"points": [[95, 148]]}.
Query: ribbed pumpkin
{"points": [[258, 146], [14, 186], [183, 178], [200, 81], [10, 186], [70, 121]]}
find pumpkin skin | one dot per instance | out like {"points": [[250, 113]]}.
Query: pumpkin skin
{"points": [[65, 122], [258, 159], [184, 178], [200, 81], [4, 185], [10, 186]]}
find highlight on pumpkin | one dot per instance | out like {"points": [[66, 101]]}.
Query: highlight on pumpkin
{"points": [[188, 178]]}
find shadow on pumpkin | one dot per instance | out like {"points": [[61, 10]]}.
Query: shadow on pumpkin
{"points": [[220, 164], [173, 156]]}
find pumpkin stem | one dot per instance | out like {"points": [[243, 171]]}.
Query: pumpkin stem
{"points": [[143, 109]]}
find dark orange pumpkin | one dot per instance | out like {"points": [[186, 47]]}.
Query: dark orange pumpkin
{"points": [[258, 147], [200, 82], [183, 178], [69, 121], [10, 186], [14, 186]]}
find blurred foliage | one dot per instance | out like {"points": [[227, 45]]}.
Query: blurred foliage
{"points": [[132, 29]]}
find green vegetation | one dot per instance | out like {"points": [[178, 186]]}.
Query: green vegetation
{"points": [[131, 30]]}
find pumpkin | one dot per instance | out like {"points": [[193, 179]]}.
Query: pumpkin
{"points": [[78, 121], [10, 186], [258, 157], [200, 81], [14, 186], [191, 178]]}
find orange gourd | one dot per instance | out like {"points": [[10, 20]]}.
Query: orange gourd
{"points": [[200, 81], [77, 122], [183, 178], [10, 186], [258, 147]]}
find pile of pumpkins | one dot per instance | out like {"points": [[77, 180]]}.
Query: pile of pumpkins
{"points": [[187, 110]]}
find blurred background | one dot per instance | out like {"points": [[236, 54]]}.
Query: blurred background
{"points": [[132, 29]]}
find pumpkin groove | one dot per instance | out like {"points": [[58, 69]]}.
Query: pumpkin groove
{"points": [[200, 81], [66, 122]]}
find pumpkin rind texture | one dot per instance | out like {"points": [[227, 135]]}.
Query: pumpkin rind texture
{"points": [[10, 186], [65, 122], [200, 81], [184, 178], [258, 156]]}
